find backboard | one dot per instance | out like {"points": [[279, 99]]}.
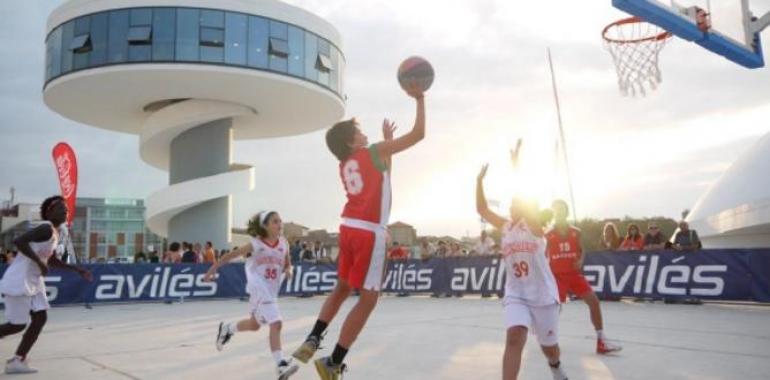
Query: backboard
{"points": [[724, 27]]}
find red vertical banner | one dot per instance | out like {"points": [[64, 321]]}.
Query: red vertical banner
{"points": [[67, 169]]}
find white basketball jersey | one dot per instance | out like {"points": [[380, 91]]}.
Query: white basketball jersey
{"points": [[23, 277], [264, 268], [528, 276]]}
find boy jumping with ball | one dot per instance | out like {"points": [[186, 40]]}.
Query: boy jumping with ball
{"points": [[364, 170]]}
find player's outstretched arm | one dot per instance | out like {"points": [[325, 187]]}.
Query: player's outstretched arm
{"points": [[390, 147], [481, 201], [241, 251], [55, 262]]}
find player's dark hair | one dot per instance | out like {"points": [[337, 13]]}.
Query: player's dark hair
{"points": [[174, 246], [339, 136], [256, 228], [562, 203], [47, 204]]}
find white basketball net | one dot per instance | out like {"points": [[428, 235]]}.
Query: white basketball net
{"points": [[634, 45]]}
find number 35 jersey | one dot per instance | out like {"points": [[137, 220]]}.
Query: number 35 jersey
{"points": [[529, 279], [264, 268], [367, 184]]}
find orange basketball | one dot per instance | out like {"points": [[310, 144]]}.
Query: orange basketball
{"points": [[415, 70]]}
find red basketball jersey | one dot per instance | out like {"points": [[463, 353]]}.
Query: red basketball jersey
{"points": [[563, 251], [367, 185]]}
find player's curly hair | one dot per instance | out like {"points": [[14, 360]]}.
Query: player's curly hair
{"points": [[47, 203], [339, 136]]}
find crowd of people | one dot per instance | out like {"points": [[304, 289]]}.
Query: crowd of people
{"points": [[684, 239]]}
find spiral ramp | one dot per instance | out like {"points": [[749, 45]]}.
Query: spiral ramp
{"points": [[159, 134]]}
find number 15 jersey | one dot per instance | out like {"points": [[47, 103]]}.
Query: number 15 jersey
{"points": [[529, 279], [367, 185]]}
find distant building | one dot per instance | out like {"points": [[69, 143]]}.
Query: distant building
{"points": [[16, 220], [109, 227], [403, 233], [294, 231]]}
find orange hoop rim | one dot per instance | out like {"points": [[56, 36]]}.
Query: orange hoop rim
{"points": [[632, 20]]}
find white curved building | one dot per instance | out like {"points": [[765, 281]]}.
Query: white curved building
{"points": [[735, 211], [188, 76]]}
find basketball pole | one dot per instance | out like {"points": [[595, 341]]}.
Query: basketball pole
{"points": [[561, 136]]}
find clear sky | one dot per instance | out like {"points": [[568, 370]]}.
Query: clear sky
{"points": [[629, 156]]}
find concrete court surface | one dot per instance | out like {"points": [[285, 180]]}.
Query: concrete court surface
{"points": [[407, 338]]}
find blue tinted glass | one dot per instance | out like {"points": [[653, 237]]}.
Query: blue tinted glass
{"points": [[55, 39], [334, 73], [212, 54], [311, 54], [296, 51], [141, 16], [82, 29], [279, 29], [214, 19], [258, 34], [139, 53], [212, 37], [99, 25], [187, 34], [163, 24], [236, 28], [48, 58], [118, 43], [323, 48], [68, 32]]}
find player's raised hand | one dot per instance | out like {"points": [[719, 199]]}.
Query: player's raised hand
{"points": [[482, 173], [515, 154], [415, 90], [388, 128]]}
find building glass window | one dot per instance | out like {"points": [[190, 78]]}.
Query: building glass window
{"points": [[81, 43], [139, 35], [279, 46], [99, 29], [311, 54], [117, 50], [235, 38], [68, 33], [334, 70], [212, 36], [187, 30], [55, 39], [214, 19], [258, 35], [324, 50], [296, 51], [323, 63], [163, 25]]}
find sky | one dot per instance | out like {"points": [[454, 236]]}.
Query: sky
{"points": [[640, 157]]}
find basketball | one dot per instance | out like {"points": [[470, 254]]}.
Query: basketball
{"points": [[415, 70]]}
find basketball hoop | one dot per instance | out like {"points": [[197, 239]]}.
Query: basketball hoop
{"points": [[634, 45]]}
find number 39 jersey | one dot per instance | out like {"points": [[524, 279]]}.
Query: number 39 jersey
{"points": [[529, 279], [367, 185], [264, 268]]}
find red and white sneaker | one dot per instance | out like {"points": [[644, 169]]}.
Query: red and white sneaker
{"points": [[603, 347]]}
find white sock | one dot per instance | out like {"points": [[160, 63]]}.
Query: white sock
{"points": [[278, 356], [232, 327], [600, 335]]}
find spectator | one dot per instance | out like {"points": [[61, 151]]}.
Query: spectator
{"points": [[686, 239], [140, 258], [153, 257], [633, 240], [426, 251], [654, 239], [319, 252], [173, 255], [295, 252], [307, 253], [189, 256], [485, 244], [442, 250], [209, 257], [610, 237], [455, 250], [398, 253], [4, 256], [198, 249]]}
